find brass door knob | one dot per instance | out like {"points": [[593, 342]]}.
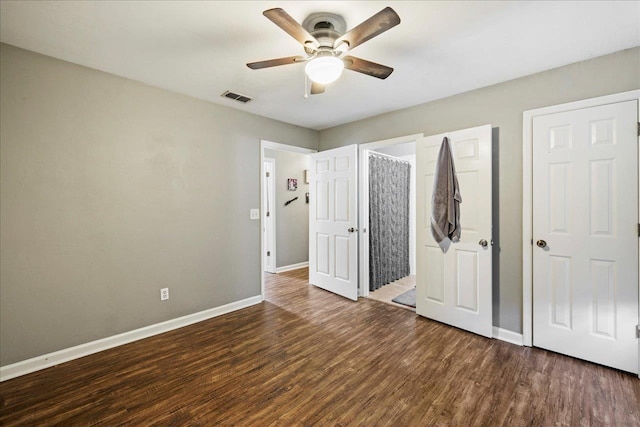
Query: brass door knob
{"points": [[541, 244], [483, 243]]}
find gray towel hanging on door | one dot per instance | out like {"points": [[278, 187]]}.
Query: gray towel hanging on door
{"points": [[445, 200]]}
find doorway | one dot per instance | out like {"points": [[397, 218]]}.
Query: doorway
{"points": [[402, 149], [282, 231]]}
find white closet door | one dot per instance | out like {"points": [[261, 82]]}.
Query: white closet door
{"points": [[455, 288], [585, 230]]}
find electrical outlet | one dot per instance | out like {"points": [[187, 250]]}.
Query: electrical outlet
{"points": [[254, 214], [164, 294]]}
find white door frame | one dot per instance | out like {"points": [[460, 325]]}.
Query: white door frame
{"points": [[274, 146], [363, 194], [269, 228], [527, 194]]}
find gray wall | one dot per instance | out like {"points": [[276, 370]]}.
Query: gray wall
{"points": [[501, 106], [292, 221], [111, 190]]}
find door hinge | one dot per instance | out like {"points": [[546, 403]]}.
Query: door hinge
{"points": [[268, 174], [638, 128], [638, 230], [637, 331], [269, 214], [268, 253]]}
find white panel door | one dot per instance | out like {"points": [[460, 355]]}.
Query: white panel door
{"points": [[585, 228], [455, 288], [333, 216]]}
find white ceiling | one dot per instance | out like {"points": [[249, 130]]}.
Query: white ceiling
{"points": [[440, 48]]}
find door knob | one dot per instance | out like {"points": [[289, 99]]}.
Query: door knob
{"points": [[483, 243], [541, 244], [351, 229]]}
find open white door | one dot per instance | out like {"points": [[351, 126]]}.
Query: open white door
{"points": [[333, 216], [585, 219], [455, 288]]}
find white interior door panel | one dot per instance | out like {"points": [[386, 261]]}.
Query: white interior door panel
{"points": [[585, 228], [333, 216], [456, 287]]}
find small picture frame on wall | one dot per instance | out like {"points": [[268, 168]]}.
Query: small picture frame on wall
{"points": [[292, 184]]}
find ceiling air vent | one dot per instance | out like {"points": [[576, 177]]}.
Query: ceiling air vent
{"points": [[236, 96]]}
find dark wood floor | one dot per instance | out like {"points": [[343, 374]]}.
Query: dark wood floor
{"points": [[308, 357]]}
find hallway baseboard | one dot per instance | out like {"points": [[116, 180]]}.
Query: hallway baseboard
{"points": [[292, 267]]}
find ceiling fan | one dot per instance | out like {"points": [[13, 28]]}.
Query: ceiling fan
{"points": [[325, 42]]}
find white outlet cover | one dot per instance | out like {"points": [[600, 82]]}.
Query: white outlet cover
{"points": [[254, 214]]}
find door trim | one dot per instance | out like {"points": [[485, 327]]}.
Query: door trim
{"points": [[363, 195], [527, 194], [269, 224], [274, 146]]}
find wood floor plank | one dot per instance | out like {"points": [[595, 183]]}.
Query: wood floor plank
{"points": [[308, 357]]}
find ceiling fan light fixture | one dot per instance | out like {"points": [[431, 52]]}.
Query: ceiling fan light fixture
{"points": [[325, 42], [324, 69]]}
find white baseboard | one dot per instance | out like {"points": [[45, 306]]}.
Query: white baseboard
{"points": [[508, 336], [51, 359], [292, 267]]}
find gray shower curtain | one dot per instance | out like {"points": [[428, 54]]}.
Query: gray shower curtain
{"points": [[389, 181]]}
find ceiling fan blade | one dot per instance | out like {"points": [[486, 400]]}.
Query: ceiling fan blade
{"points": [[367, 67], [275, 62], [316, 88], [379, 23], [283, 20]]}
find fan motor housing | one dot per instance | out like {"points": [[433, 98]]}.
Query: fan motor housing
{"points": [[325, 27]]}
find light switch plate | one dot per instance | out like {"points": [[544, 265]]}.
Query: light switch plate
{"points": [[254, 214]]}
